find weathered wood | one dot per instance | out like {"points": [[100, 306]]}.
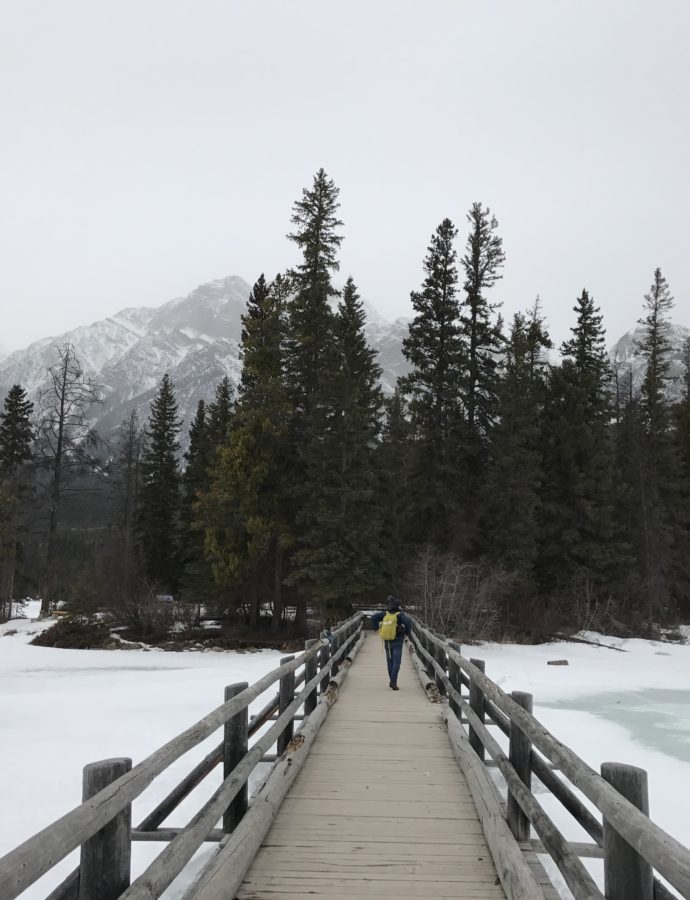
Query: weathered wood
{"points": [[235, 746], [225, 872], [104, 867], [67, 889], [667, 855], [170, 862], [324, 657], [568, 798], [439, 653], [576, 876], [454, 678], [520, 756], [286, 696], [477, 704], [168, 834], [310, 670], [584, 851], [627, 876], [516, 877]]}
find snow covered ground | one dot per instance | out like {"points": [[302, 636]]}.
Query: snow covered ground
{"points": [[60, 709]]}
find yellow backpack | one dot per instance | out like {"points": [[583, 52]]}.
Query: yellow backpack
{"points": [[388, 629]]}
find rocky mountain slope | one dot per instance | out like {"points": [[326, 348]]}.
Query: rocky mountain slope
{"points": [[195, 339]]}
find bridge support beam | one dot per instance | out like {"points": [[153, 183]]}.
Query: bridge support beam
{"points": [[520, 755], [235, 746], [477, 704]]}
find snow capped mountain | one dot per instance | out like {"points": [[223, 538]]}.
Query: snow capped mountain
{"points": [[625, 358], [195, 339]]}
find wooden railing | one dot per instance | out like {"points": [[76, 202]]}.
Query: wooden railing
{"points": [[101, 825], [632, 846]]}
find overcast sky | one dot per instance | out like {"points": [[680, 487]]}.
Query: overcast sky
{"points": [[149, 146]]}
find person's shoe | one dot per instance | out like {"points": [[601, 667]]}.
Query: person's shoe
{"points": [[395, 687]]}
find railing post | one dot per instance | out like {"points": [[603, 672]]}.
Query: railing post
{"points": [[454, 678], [627, 876], [235, 746], [285, 697], [310, 669], [520, 755], [325, 655], [334, 650], [440, 657], [429, 647], [477, 704], [104, 868]]}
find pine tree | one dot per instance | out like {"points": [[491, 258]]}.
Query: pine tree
{"points": [[159, 500], [511, 495], [16, 436], [662, 540], [310, 365], [246, 510], [581, 540], [219, 414], [481, 342], [433, 348], [342, 550], [127, 486]]}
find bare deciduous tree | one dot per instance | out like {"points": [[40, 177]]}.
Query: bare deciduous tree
{"points": [[65, 441]]}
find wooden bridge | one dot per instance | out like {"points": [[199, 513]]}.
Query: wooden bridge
{"points": [[381, 794]]}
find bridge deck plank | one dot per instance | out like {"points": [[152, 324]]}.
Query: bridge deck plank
{"points": [[380, 808]]}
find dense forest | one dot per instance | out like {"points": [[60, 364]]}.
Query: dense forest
{"points": [[495, 491]]}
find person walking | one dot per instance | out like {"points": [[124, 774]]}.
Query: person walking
{"points": [[392, 625]]}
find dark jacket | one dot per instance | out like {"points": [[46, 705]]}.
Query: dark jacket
{"points": [[403, 620]]}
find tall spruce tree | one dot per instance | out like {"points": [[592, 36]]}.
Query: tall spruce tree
{"points": [[246, 512], [16, 436], [511, 494], [662, 540], [581, 543], [220, 414], [127, 485], [342, 544], [197, 578], [433, 348], [481, 344], [311, 363], [159, 498]]}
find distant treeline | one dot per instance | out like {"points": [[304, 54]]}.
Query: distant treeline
{"points": [[494, 491]]}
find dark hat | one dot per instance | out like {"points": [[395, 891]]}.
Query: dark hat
{"points": [[393, 602]]}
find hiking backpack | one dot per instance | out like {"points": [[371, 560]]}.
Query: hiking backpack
{"points": [[388, 629]]}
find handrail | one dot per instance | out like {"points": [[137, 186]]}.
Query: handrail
{"points": [[661, 850], [25, 864]]}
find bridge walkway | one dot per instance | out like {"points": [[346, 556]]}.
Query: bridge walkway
{"points": [[381, 808]]}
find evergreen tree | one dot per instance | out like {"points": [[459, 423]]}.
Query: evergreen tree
{"points": [[159, 502], [481, 342], [511, 495], [341, 548], [246, 509], [433, 348], [127, 484], [219, 415], [581, 540], [197, 578], [310, 365], [16, 436], [662, 540]]}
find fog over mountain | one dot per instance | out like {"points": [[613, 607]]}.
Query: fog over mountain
{"points": [[196, 339]]}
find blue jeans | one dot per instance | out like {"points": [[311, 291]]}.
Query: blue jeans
{"points": [[394, 651]]}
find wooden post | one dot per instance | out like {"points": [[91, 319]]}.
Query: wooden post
{"points": [[477, 704], [235, 746], [325, 655], [627, 876], [440, 657], [429, 647], [310, 670], [334, 649], [520, 755], [454, 677], [104, 869], [286, 696]]}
